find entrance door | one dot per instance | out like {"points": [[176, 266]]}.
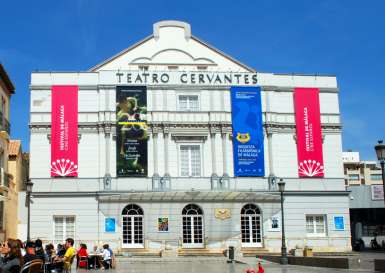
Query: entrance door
{"points": [[192, 227], [132, 224], [251, 228]]}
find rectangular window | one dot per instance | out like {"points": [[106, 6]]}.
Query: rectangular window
{"points": [[375, 177], [190, 160], [316, 225], [188, 102], [64, 227], [354, 177]]}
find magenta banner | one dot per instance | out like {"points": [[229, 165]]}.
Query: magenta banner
{"points": [[64, 130], [309, 135]]}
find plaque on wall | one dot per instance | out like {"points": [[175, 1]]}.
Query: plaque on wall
{"points": [[222, 214]]}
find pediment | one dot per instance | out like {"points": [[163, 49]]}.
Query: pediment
{"points": [[172, 44]]}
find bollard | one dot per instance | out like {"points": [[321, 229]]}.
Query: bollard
{"points": [[231, 254]]}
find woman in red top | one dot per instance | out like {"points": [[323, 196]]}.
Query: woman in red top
{"points": [[82, 252]]}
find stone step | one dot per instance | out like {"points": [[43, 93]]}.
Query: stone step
{"points": [[204, 252], [139, 252], [252, 252]]}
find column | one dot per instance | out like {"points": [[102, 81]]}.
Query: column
{"points": [[166, 135], [155, 150], [224, 153]]}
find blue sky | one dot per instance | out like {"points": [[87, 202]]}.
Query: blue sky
{"points": [[345, 38]]}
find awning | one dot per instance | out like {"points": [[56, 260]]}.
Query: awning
{"points": [[202, 196]]}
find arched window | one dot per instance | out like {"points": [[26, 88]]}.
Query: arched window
{"points": [[132, 226], [192, 226], [250, 209], [251, 228], [192, 209], [132, 209]]}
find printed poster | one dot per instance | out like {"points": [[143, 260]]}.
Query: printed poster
{"points": [[131, 131], [247, 131]]}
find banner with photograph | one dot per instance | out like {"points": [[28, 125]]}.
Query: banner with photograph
{"points": [[247, 131], [309, 135], [131, 131], [64, 131]]}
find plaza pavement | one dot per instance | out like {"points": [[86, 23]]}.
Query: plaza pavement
{"points": [[212, 265]]}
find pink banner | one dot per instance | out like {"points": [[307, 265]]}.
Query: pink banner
{"points": [[309, 135], [64, 131]]}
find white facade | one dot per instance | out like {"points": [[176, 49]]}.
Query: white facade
{"points": [[172, 50]]}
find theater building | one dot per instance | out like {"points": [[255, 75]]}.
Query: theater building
{"points": [[173, 146]]}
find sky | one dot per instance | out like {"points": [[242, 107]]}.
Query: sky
{"points": [[343, 38]]}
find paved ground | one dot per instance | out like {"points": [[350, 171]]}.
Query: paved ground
{"points": [[213, 265]]}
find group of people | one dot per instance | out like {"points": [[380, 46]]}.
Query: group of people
{"points": [[99, 259], [17, 256]]}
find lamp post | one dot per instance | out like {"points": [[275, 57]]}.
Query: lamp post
{"points": [[29, 185], [281, 188], [380, 151]]}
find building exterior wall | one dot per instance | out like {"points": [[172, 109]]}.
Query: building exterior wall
{"points": [[90, 201], [8, 195]]}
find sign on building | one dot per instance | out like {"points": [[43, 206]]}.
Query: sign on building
{"points": [[377, 192]]}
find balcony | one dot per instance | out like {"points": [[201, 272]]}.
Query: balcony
{"points": [[4, 124]]}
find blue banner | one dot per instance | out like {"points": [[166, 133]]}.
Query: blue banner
{"points": [[247, 131]]}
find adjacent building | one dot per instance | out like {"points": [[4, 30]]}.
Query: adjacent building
{"points": [[173, 146], [7, 89], [360, 172], [364, 181]]}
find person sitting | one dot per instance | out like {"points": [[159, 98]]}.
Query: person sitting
{"points": [[69, 255], [60, 250], [106, 257], [39, 249], [82, 252], [30, 252], [12, 260]]}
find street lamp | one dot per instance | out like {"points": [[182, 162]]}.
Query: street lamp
{"points": [[284, 260], [380, 151], [29, 185]]}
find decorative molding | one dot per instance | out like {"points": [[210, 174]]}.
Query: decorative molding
{"points": [[189, 138]]}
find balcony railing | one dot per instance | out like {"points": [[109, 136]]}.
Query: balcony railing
{"points": [[4, 124]]}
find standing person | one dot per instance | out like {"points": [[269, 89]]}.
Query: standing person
{"points": [[106, 257], [12, 260]]}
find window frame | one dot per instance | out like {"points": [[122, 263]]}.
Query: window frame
{"points": [[315, 233], [377, 175], [190, 166], [350, 177], [65, 236], [188, 109]]}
